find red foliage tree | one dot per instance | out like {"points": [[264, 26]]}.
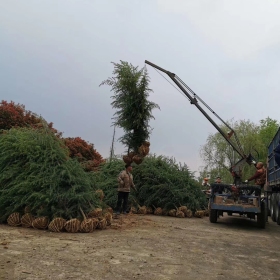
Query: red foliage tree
{"points": [[15, 115], [84, 152]]}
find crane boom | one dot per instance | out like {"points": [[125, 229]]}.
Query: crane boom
{"points": [[193, 98]]}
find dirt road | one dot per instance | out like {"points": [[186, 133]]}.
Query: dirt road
{"points": [[145, 247]]}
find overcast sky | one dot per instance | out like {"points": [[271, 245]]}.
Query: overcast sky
{"points": [[55, 53]]}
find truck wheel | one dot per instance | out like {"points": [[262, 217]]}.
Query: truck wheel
{"points": [[261, 217], [278, 220], [213, 216], [272, 207], [268, 204], [229, 214]]}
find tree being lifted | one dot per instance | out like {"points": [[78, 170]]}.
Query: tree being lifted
{"points": [[134, 110]]}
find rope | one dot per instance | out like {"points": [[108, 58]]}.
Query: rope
{"points": [[207, 106], [172, 85]]}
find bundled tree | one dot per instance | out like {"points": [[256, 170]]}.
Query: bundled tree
{"points": [[167, 184], [36, 171], [84, 152], [160, 181], [219, 156], [134, 110]]}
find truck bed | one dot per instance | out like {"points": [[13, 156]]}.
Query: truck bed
{"points": [[273, 170]]}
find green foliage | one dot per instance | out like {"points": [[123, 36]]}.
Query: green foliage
{"points": [[106, 179], [166, 184], [130, 99], [218, 155], [160, 181], [267, 130], [36, 171]]}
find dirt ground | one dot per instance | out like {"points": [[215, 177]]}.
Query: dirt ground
{"points": [[145, 247]]}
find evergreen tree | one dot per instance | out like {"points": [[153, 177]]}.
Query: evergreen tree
{"points": [[161, 182], [130, 99], [36, 171]]}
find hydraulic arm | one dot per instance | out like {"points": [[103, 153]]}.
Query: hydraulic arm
{"points": [[194, 98]]}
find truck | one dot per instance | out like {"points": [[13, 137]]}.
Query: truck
{"points": [[237, 197], [272, 188]]}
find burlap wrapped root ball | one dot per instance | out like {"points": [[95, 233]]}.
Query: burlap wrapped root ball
{"points": [[146, 143], [158, 211], [108, 217], [189, 213], [172, 212], [57, 225], [97, 212], [27, 220], [127, 159], [73, 225], [88, 225], [14, 219], [133, 210], [184, 209], [180, 214], [109, 210], [40, 223], [102, 224], [206, 213], [199, 214], [137, 159], [142, 210], [143, 150]]}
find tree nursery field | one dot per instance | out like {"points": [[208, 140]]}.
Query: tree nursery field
{"points": [[144, 247], [57, 197]]}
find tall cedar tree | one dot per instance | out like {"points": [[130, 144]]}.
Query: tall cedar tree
{"points": [[36, 171], [130, 99]]}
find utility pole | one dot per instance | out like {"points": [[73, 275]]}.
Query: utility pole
{"points": [[112, 146]]}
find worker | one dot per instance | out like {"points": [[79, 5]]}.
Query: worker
{"points": [[205, 183], [125, 180], [218, 180], [259, 176]]}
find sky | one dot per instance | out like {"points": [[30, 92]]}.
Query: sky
{"points": [[55, 53]]}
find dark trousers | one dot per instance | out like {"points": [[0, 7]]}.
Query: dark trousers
{"points": [[122, 196]]}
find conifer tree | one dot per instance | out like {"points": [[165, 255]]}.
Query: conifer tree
{"points": [[133, 109], [36, 171]]}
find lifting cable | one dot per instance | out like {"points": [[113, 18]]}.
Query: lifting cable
{"points": [[207, 106]]}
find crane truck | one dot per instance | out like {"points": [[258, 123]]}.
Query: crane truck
{"points": [[230, 198]]}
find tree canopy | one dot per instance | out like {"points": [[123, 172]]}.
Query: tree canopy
{"points": [[36, 171], [133, 109], [218, 155]]}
